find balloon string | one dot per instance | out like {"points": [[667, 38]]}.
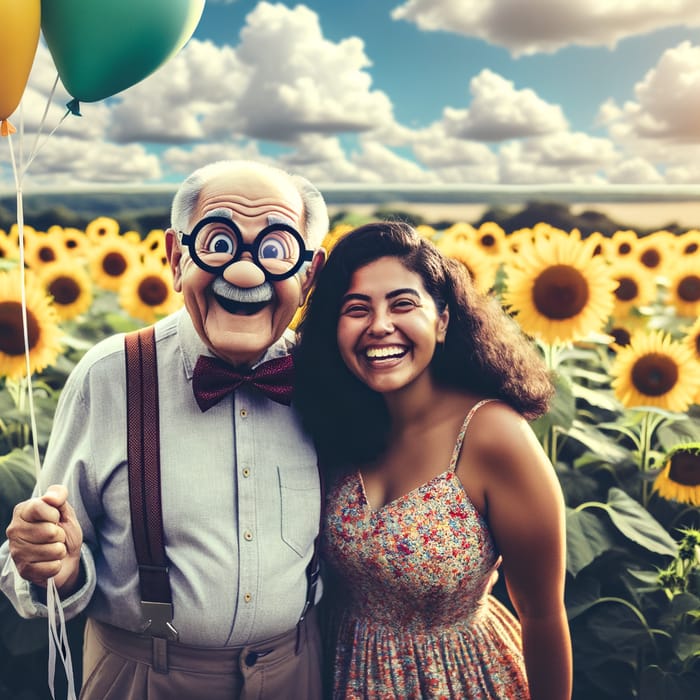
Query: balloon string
{"points": [[36, 147], [56, 617]]}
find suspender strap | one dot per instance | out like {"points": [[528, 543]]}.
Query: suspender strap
{"points": [[143, 453], [313, 570]]}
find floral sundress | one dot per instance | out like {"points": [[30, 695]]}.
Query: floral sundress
{"points": [[418, 621]]}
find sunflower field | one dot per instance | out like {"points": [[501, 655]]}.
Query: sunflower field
{"points": [[616, 319]]}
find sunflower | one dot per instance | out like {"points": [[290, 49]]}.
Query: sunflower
{"points": [[692, 339], [100, 228], [558, 289], [9, 250], [621, 244], [43, 333], [482, 267], [459, 231], [72, 240], [40, 248], [679, 480], [491, 238], [146, 292], [684, 286], [689, 242], [111, 260], [69, 285], [656, 251], [636, 287], [655, 370]]}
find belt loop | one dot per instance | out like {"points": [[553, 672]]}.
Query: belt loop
{"points": [[159, 649], [300, 631]]}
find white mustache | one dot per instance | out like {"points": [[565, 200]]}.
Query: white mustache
{"points": [[253, 295]]}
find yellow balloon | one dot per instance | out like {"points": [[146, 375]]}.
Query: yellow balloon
{"points": [[20, 23]]}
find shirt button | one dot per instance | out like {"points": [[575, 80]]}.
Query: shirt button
{"points": [[246, 472], [247, 597], [244, 413], [248, 535]]}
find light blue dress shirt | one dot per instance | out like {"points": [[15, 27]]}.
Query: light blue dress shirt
{"points": [[240, 494]]}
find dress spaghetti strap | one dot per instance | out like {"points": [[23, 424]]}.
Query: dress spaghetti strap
{"points": [[463, 431]]}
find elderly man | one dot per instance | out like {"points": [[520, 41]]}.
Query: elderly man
{"points": [[223, 608]]}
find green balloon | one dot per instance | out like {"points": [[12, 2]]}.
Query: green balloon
{"points": [[101, 47]]}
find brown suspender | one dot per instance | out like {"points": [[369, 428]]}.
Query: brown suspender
{"points": [[143, 454]]}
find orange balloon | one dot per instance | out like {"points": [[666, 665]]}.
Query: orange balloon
{"points": [[20, 23]]}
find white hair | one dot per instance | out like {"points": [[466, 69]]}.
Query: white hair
{"points": [[315, 220]]}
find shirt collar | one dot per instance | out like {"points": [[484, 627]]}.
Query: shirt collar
{"points": [[192, 345]]}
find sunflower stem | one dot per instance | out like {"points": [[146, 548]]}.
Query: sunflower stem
{"points": [[649, 425]]}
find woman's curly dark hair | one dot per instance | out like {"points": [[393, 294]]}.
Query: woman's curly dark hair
{"points": [[484, 352]]}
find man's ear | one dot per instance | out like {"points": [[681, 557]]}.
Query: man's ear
{"points": [[308, 278], [173, 250]]}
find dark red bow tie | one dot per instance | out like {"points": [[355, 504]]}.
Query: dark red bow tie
{"points": [[213, 379]]}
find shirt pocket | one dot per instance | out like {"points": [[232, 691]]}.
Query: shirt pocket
{"points": [[300, 500]]}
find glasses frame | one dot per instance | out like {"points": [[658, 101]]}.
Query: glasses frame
{"points": [[242, 247]]}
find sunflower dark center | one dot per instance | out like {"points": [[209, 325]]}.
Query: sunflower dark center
{"points": [[685, 468], [560, 292], [114, 264], [689, 288], [70, 243], [488, 241], [624, 249], [46, 254], [11, 333], [64, 289], [152, 291], [627, 290], [654, 374], [690, 249], [621, 335], [650, 258]]}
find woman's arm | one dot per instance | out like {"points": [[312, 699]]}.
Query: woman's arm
{"points": [[525, 512]]}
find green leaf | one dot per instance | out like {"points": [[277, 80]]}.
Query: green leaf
{"points": [[657, 684], [636, 524], [582, 593], [598, 443], [17, 481], [687, 645], [562, 410], [596, 398], [586, 539]]}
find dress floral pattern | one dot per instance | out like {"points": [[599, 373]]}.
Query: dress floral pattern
{"points": [[419, 621]]}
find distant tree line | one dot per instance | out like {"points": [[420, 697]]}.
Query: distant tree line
{"points": [[145, 212]]}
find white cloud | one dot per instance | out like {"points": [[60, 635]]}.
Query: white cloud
{"points": [[534, 26], [661, 126], [560, 158], [301, 82], [634, 171], [668, 99], [499, 112]]}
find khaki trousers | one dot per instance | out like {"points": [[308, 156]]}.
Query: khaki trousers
{"points": [[117, 666]]}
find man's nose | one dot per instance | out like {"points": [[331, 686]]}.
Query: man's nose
{"points": [[244, 273]]}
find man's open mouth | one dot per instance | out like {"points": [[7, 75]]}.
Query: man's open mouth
{"points": [[242, 308]]}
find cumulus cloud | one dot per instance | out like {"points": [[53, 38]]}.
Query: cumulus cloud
{"points": [[499, 112], [567, 157], [539, 26], [668, 100]]}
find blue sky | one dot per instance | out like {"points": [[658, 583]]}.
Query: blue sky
{"points": [[408, 92]]}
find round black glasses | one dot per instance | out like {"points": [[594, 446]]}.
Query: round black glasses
{"points": [[216, 242]]}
